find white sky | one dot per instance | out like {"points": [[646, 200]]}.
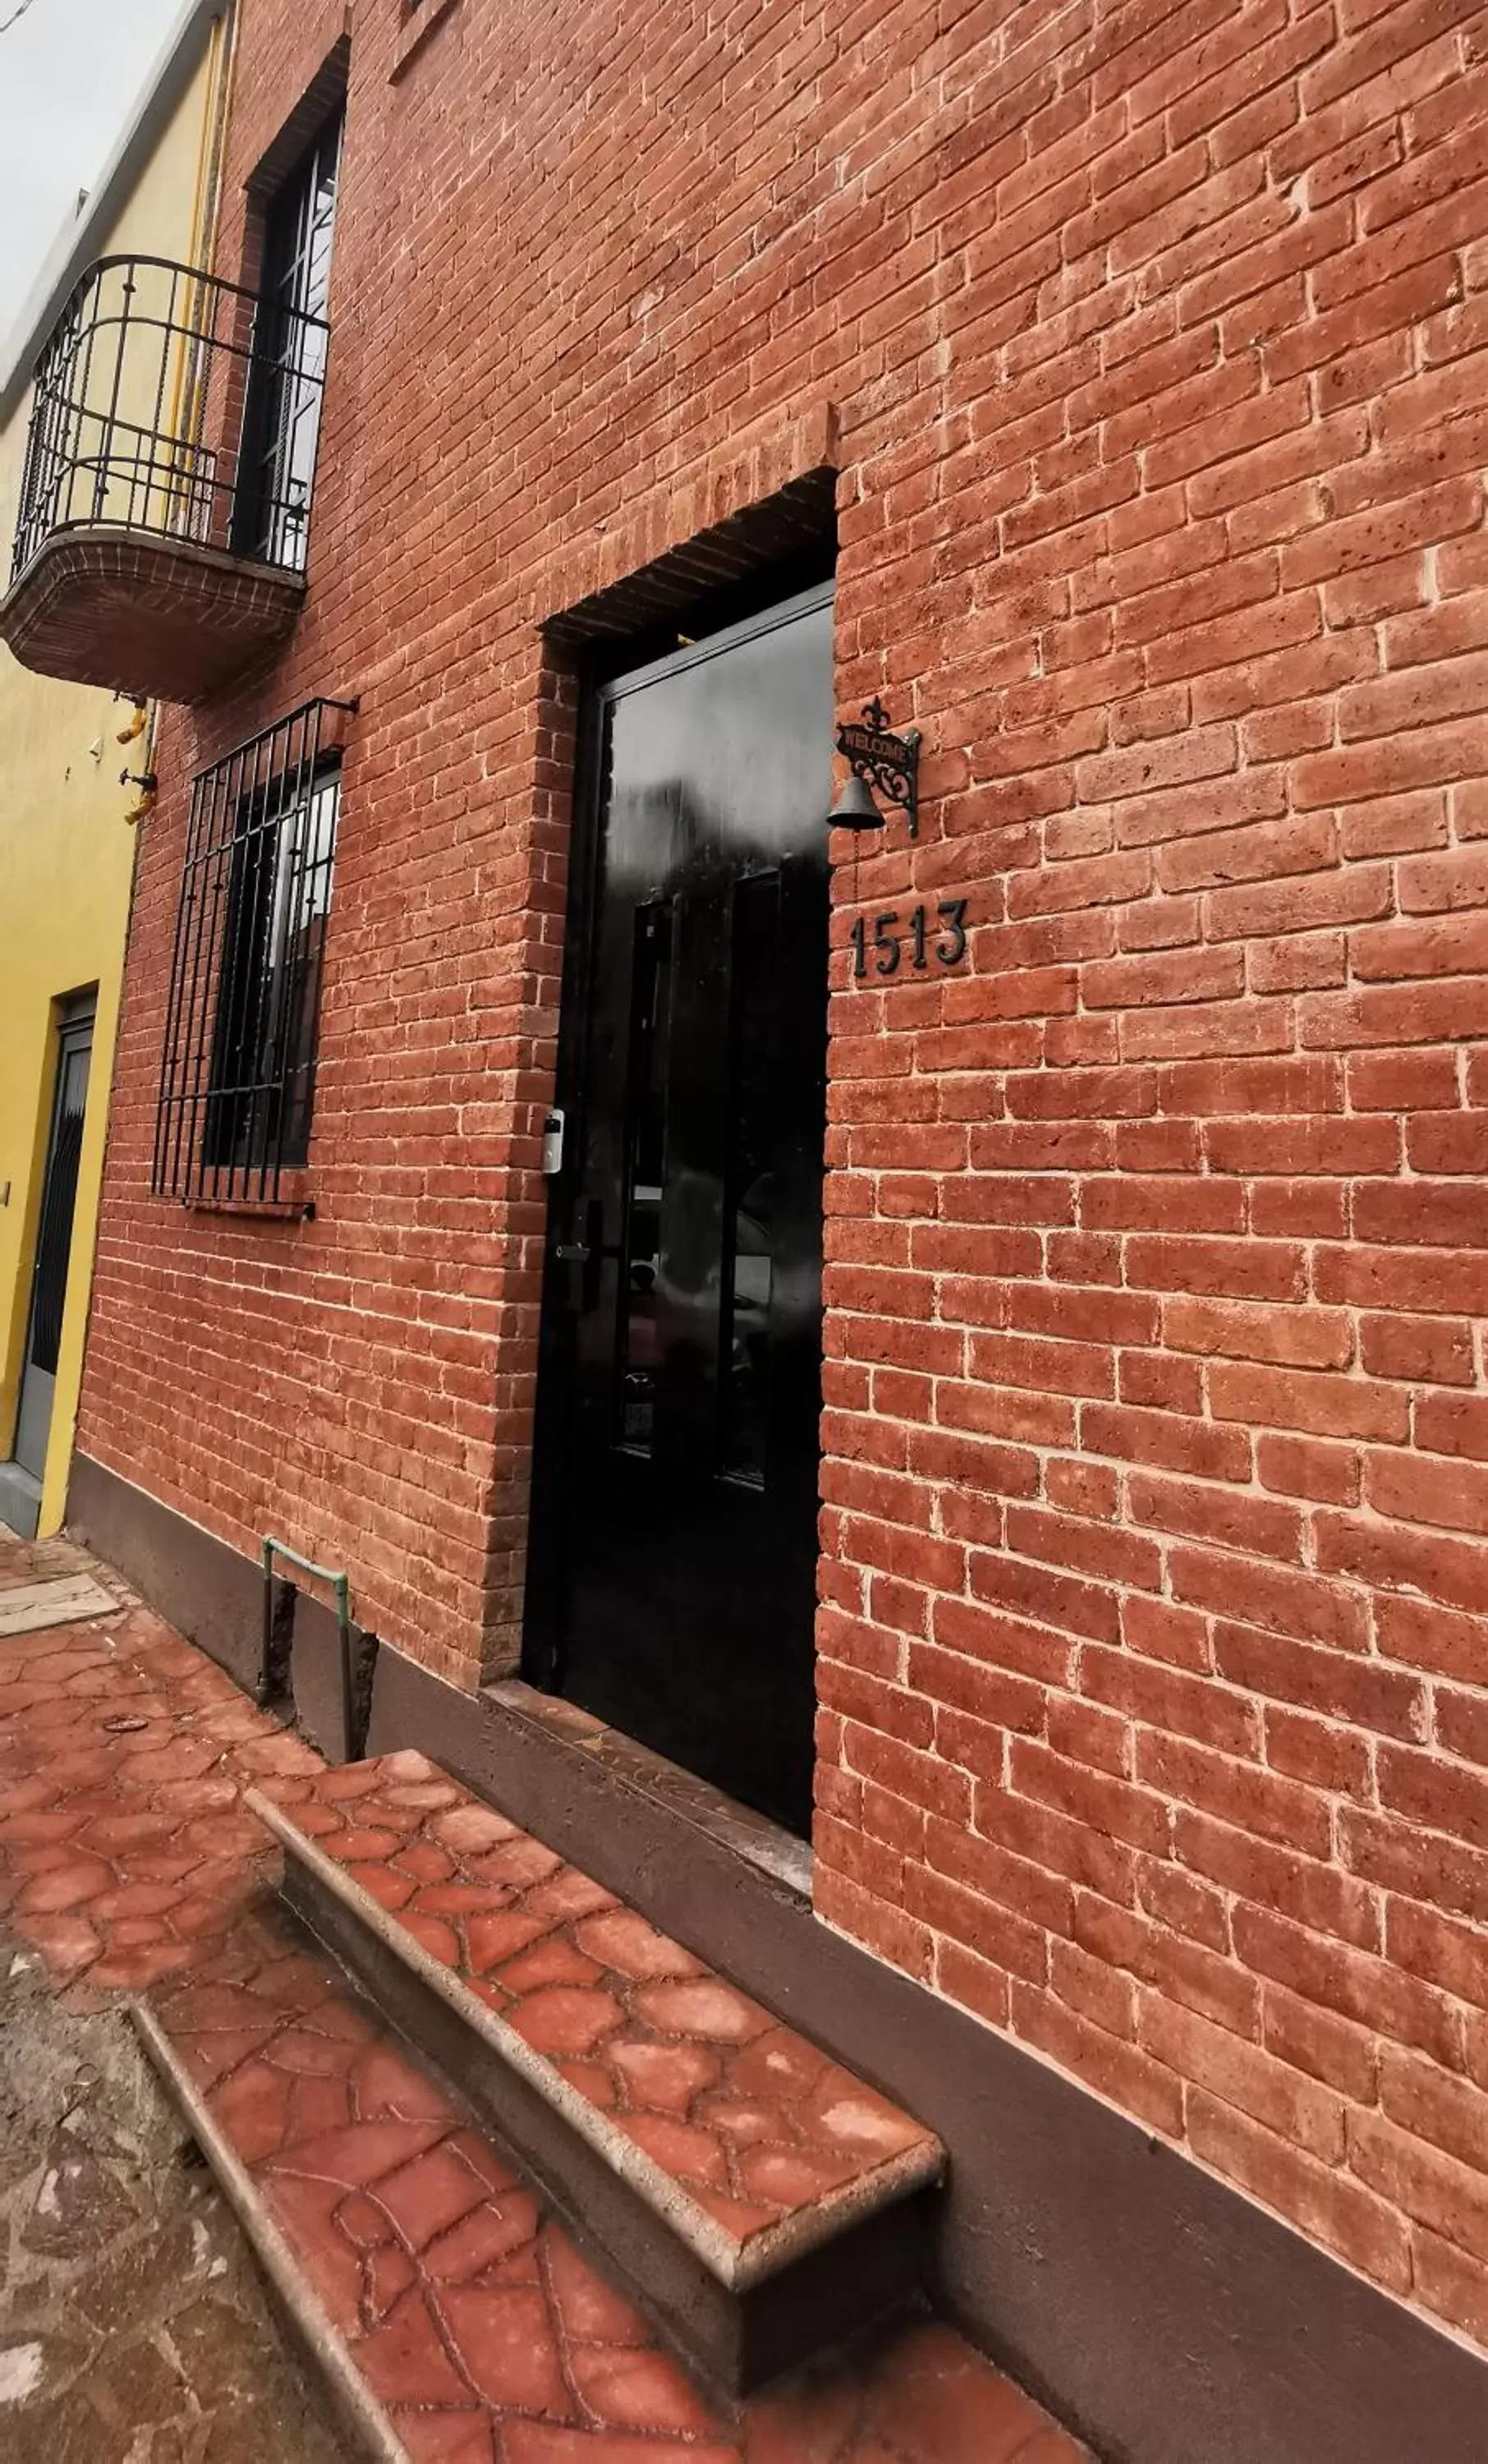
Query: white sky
{"points": [[70, 75]]}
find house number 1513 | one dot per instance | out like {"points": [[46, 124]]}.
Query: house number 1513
{"points": [[941, 938]]}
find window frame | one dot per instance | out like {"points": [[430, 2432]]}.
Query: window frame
{"points": [[266, 1015], [285, 403], [240, 1055]]}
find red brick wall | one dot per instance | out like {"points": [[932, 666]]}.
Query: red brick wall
{"points": [[1154, 1665]]}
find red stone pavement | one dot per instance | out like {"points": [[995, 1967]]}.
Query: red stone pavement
{"points": [[753, 2122], [124, 1850], [127, 1862], [467, 2306]]}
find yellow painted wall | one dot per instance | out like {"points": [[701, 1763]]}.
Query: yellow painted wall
{"points": [[67, 851]]}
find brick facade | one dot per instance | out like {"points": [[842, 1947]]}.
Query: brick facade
{"points": [[1151, 343]]}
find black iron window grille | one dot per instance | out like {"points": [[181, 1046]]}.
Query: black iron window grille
{"points": [[148, 408], [238, 1067], [283, 426]]}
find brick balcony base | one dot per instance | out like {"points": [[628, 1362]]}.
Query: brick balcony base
{"points": [[161, 617]]}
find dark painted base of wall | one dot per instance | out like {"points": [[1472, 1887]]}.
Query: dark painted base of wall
{"points": [[216, 1597], [1157, 2312], [204, 1589]]}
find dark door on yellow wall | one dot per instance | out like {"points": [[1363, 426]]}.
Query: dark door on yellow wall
{"points": [[675, 1496], [54, 1234]]}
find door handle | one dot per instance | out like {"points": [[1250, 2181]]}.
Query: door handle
{"points": [[587, 1254]]}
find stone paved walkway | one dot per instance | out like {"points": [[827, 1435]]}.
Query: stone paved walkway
{"points": [[133, 2326], [126, 1862]]}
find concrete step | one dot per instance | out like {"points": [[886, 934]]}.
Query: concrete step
{"points": [[453, 2317], [761, 2201]]}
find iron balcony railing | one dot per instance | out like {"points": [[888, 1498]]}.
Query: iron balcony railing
{"points": [[172, 403]]}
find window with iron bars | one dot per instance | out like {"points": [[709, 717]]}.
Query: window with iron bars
{"points": [[238, 1069]]}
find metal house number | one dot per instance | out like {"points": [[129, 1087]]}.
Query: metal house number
{"points": [[943, 939]]}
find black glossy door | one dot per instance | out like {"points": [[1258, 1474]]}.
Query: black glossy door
{"points": [[681, 1384]]}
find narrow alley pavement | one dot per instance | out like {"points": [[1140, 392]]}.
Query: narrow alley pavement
{"points": [[133, 2325]]}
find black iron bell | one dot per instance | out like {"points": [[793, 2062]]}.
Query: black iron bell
{"points": [[855, 808]]}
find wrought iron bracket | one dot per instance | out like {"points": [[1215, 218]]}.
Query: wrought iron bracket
{"points": [[888, 764]]}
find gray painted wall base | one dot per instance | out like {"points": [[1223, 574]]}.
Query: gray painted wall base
{"points": [[20, 1500], [203, 1588]]}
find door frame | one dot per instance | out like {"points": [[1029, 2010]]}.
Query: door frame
{"points": [[73, 1018], [543, 1602]]}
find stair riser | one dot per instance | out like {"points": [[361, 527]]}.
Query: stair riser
{"points": [[736, 2339]]}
